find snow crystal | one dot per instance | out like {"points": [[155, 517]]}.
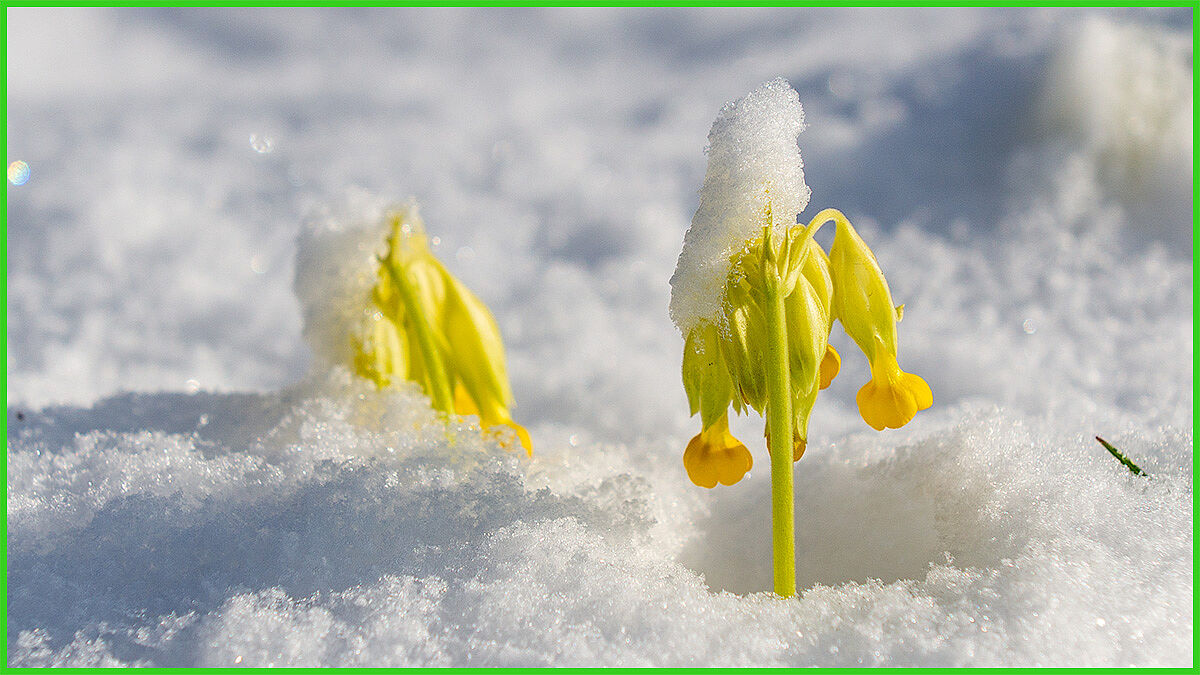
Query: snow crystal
{"points": [[753, 163]]}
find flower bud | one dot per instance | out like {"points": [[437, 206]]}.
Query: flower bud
{"points": [[430, 329]]}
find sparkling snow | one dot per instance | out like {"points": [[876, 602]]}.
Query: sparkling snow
{"points": [[753, 165], [186, 487]]}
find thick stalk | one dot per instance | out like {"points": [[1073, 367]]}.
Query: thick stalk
{"points": [[779, 429], [439, 384]]}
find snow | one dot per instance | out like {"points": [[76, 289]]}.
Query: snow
{"points": [[754, 168], [188, 485], [337, 256]]}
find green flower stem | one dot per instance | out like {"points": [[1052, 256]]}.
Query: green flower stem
{"points": [[779, 428], [439, 384]]}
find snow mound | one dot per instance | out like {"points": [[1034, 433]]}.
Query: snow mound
{"points": [[1125, 90], [1048, 286], [333, 524], [753, 161]]}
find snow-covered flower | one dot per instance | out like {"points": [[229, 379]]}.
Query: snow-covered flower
{"points": [[744, 255], [430, 329], [755, 297], [723, 361]]}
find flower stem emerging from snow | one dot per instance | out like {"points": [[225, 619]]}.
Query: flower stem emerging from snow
{"points": [[779, 427], [1133, 468], [755, 297]]}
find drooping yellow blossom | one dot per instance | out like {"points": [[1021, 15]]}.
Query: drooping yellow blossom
{"points": [[864, 306], [715, 456], [723, 364], [431, 329], [755, 298]]}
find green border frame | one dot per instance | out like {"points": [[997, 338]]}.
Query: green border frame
{"points": [[588, 3]]}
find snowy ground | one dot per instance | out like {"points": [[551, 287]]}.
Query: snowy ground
{"points": [[185, 488]]}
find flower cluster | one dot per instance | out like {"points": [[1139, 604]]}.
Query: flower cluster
{"points": [[723, 362]]}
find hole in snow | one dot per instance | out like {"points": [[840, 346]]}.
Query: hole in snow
{"points": [[852, 524]]}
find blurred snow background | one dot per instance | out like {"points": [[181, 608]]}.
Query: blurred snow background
{"points": [[183, 490]]}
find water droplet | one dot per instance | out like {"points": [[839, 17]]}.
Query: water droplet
{"points": [[435, 241], [465, 253], [1101, 622], [573, 440], [192, 385], [262, 143], [18, 172], [258, 265], [1029, 327]]}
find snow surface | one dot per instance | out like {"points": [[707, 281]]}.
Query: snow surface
{"points": [[753, 165], [184, 490]]}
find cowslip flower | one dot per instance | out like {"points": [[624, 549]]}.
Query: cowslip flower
{"points": [[724, 367], [755, 297], [430, 329], [723, 362], [864, 306]]}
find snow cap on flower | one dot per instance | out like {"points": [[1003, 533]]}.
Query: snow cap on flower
{"points": [[753, 161]]}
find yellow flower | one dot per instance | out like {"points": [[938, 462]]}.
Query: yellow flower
{"points": [[863, 303], [892, 397], [725, 365], [715, 456], [430, 329], [723, 362]]}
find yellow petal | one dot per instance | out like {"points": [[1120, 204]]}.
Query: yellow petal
{"points": [[463, 403], [831, 364], [522, 436], [504, 432], [798, 447], [892, 397], [494, 417], [714, 456], [799, 444]]}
